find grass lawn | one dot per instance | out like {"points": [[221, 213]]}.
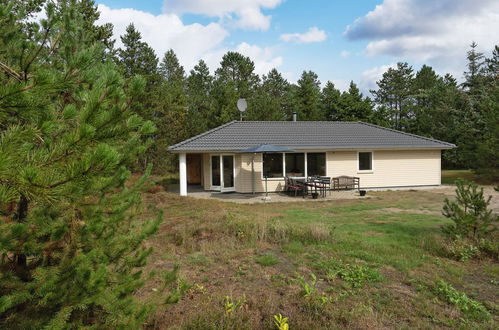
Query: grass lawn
{"points": [[450, 177], [371, 263]]}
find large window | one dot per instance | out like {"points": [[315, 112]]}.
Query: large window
{"points": [[365, 161], [295, 164], [272, 165], [316, 164]]}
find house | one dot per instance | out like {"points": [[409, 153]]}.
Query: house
{"points": [[379, 156]]}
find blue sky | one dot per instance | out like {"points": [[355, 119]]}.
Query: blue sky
{"points": [[340, 40]]}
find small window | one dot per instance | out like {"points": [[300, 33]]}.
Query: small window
{"points": [[316, 164], [272, 165], [365, 161], [295, 164]]}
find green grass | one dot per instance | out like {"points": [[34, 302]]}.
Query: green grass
{"points": [[371, 263], [267, 260], [450, 177]]}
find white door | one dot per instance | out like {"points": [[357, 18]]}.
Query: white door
{"points": [[222, 172]]}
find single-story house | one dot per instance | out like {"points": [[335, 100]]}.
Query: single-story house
{"points": [[379, 156]]}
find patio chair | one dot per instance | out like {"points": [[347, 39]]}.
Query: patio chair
{"points": [[293, 186], [326, 184]]}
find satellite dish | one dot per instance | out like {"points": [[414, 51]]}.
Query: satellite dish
{"points": [[242, 105]]}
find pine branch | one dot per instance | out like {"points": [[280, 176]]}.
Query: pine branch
{"points": [[10, 71]]}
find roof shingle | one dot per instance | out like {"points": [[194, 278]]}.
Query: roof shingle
{"points": [[306, 135]]}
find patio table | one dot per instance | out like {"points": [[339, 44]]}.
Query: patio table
{"points": [[314, 183]]}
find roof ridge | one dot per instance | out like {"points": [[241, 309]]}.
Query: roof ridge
{"points": [[405, 133], [298, 122], [200, 135]]}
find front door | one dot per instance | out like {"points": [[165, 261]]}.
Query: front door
{"points": [[222, 172]]}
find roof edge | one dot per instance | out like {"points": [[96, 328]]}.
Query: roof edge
{"points": [[173, 147], [449, 145]]}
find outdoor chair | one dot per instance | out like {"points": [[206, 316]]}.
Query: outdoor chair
{"points": [[293, 186], [326, 184]]}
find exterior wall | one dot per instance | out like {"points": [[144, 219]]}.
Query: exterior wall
{"points": [[391, 168], [206, 172]]}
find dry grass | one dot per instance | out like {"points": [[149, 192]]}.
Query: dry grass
{"points": [[219, 248]]}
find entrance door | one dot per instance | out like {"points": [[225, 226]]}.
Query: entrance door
{"points": [[222, 172]]}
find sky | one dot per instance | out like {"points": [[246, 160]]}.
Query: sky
{"points": [[340, 40]]}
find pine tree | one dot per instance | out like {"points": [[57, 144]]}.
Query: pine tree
{"points": [[307, 97], [354, 106], [234, 79], [330, 99], [137, 57], [269, 102], [394, 93], [70, 241], [200, 99], [476, 69], [170, 111], [423, 93]]}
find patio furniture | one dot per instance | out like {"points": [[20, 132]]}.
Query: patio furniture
{"points": [[326, 182], [345, 183], [317, 185], [293, 186]]}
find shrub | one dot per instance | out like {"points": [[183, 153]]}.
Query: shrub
{"points": [[355, 275], [462, 250], [470, 308], [472, 219]]}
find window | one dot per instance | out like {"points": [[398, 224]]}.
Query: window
{"points": [[316, 164], [295, 164], [272, 165], [365, 161]]}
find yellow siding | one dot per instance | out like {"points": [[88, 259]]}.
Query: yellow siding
{"points": [[391, 168]]}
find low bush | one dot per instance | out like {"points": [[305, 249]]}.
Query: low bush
{"points": [[461, 250], [470, 308], [355, 275]]}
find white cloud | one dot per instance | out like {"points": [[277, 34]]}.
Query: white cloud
{"points": [[263, 58], [162, 32], [190, 42], [345, 53], [245, 14], [370, 77], [436, 32], [340, 84], [313, 34]]}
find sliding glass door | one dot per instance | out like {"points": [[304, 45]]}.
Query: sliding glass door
{"points": [[222, 172]]}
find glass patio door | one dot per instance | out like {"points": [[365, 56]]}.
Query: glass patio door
{"points": [[222, 172]]}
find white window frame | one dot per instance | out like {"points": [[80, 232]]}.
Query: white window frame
{"points": [[372, 162], [284, 164]]}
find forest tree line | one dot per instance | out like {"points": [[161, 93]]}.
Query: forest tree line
{"points": [[183, 104]]}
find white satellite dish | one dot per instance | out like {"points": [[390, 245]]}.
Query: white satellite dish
{"points": [[242, 105]]}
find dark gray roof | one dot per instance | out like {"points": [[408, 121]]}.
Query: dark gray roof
{"points": [[306, 135]]}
